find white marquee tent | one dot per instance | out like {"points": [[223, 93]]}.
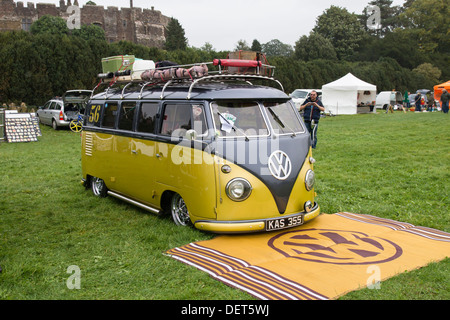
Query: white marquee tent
{"points": [[343, 95]]}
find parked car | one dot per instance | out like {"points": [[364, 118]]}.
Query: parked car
{"points": [[386, 98], [412, 98], [58, 112], [300, 95]]}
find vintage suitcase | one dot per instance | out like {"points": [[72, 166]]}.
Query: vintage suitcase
{"points": [[117, 63], [249, 55]]}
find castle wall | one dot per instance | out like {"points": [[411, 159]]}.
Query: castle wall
{"points": [[143, 26]]}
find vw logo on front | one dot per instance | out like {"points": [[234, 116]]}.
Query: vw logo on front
{"points": [[280, 165]]}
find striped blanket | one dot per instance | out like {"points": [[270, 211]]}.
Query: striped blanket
{"points": [[323, 259]]}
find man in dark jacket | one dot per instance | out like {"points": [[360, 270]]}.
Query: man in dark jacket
{"points": [[417, 101], [312, 108], [445, 97]]}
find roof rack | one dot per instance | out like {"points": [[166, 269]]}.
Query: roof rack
{"points": [[248, 70]]}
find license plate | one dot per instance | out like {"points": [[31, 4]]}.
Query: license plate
{"points": [[283, 223]]}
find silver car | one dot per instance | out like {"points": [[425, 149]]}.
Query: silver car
{"points": [[59, 112]]}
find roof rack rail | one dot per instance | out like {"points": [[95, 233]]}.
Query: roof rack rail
{"points": [[191, 73], [233, 77]]}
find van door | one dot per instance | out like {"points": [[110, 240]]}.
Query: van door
{"points": [[183, 165], [142, 157]]}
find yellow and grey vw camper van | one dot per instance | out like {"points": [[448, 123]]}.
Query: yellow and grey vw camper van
{"points": [[216, 151]]}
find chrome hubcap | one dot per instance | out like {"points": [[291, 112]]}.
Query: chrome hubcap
{"points": [[180, 212], [97, 186]]}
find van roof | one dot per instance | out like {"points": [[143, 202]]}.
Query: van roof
{"points": [[203, 91]]}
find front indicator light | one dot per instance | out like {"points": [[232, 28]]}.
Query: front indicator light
{"points": [[309, 180], [238, 189]]}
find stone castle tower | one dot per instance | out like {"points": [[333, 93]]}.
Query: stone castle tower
{"points": [[142, 26]]}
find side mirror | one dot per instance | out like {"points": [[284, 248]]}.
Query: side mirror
{"points": [[191, 134]]}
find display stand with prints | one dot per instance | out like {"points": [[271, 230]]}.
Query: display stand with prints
{"points": [[21, 127]]}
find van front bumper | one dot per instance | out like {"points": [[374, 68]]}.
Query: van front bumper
{"points": [[249, 226]]}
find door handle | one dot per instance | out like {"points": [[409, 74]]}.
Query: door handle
{"points": [[133, 151], [159, 155]]}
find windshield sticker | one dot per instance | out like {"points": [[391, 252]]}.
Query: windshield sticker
{"points": [[227, 120]]}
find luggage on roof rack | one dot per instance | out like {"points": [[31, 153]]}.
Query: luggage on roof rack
{"points": [[167, 73], [249, 55], [117, 63]]}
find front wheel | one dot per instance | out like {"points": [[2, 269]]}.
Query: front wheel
{"points": [[180, 213], [98, 187]]}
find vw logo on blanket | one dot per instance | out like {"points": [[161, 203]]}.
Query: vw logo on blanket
{"points": [[280, 165], [339, 247]]}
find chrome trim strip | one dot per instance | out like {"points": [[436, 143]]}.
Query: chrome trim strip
{"points": [[133, 202]]}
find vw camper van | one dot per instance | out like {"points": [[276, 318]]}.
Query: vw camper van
{"points": [[216, 151]]}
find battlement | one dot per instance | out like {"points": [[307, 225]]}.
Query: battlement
{"points": [[143, 26]]}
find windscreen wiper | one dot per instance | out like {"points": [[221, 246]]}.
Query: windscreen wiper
{"points": [[233, 126], [280, 122]]}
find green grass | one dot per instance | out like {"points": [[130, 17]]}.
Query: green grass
{"points": [[390, 165]]}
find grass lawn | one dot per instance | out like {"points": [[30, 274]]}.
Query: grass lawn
{"points": [[393, 166]]}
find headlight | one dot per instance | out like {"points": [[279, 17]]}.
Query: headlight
{"points": [[309, 180], [238, 189]]}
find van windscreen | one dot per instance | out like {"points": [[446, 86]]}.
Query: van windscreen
{"points": [[283, 118], [234, 119]]}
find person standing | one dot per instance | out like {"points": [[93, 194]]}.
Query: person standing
{"points": [[406, 104], [311, 115], [445, 98], [418, 100]]}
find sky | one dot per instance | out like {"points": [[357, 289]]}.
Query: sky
{"points": [[224, 23]]}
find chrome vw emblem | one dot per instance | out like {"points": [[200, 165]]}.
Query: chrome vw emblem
{"points": [[280, 165]]}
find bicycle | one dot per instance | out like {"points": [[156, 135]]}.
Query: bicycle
{"points": [[77, 125]]}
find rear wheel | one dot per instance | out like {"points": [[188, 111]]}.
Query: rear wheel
{"points": [[54, 125], [98, 187], [180, 213]]}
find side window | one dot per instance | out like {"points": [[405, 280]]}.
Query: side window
{"points": [[52, 106], [57, 106], [92, 116], [147, 117], [47, 105], [178, 118], [127, 115], [109, 115]]}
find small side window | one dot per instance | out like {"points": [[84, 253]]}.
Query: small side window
{"points": [[109, 115], [147, 117], [92, 116], [179, 118], [126, 117], [176, 120]]}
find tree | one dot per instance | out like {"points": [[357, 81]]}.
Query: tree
{"points": [[430, 20], [428, 70], [208, 47], [256, 46], [277, 48], [49, 25], [343, 30], [314, 47], [389, 17], [175, 37], [88, 32], [242, 45]]}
